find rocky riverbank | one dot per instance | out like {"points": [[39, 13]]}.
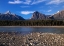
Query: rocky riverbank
{"points": [[32, 39]]}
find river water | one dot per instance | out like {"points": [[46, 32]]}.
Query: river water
{"points": [[26, 30]]}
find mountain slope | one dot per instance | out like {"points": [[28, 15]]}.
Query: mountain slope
{"points": [[37, 15], [59, 15], [9, 16]]}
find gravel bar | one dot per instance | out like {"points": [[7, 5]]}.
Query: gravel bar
{"points": [[32, 39]]}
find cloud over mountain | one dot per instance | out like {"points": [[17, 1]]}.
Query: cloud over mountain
{"points": [[26, 12], [19, 2], [32, 2], [29, 2], [15, 2], [55, 2], [38, 1]]}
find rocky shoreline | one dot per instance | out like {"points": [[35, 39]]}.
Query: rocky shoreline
{"points": [[32, 39]]}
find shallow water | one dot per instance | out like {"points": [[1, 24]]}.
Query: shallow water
{"points": [[26, 30]]}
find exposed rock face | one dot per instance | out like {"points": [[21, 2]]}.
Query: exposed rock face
{"points": [[59, 15], [9, 16], [37, 15]]}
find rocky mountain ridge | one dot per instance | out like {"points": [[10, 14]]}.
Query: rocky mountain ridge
{"points": [[36, 16], [10, 16], [57, 16]]}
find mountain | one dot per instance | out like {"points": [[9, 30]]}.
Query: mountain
{"points": [[37, 15], [57, 16], [10, 16]]}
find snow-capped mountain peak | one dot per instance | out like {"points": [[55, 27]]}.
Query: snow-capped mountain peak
{"points": [[8, 12], [58, 11]]}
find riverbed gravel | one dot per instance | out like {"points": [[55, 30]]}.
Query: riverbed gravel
{"points": [[32, 39]]}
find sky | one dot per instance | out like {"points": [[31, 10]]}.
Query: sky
{"points": [[25, 8]]}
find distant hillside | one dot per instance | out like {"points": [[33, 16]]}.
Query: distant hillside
{"points": [[10, 16]]}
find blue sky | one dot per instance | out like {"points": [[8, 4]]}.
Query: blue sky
{"points": [[25, 8]]}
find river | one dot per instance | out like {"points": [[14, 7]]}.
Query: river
{"points": [[26, 30]]}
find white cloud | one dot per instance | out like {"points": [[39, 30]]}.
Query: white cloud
{"points": [[15, 2], [26, 12], [29, 2], [32, 2], [37, 1], [19, 2], [55, 2], [49, 10]]}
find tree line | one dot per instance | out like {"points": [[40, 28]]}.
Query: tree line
{"points": [[32, 23]]}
